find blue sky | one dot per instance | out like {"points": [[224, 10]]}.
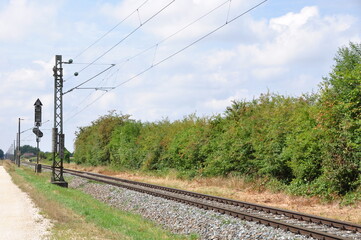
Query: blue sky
{"points": [[282, 46]]}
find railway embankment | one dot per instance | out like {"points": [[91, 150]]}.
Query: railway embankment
{"points": [[77, 215]]}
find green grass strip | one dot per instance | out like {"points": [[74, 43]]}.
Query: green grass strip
{"points": [[96, 212]]}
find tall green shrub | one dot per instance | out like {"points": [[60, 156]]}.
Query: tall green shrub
{"points": [[184, 150], [124, 149], [340, 119], [92, 142]]}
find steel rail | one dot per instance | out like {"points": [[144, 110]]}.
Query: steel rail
{"points": [[292, 214], [239, 214]]}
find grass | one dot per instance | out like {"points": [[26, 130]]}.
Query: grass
{"points": [[77, 215]]}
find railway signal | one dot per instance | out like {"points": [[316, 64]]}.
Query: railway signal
{"points": [[37, 118], [39, 134]]}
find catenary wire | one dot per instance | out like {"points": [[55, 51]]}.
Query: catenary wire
{"points": [[88, 96], [191, 44], [172, 55], [81, 110], [170, 36], [96, 75], [175, 33], [110, 30], [124, 38], [128, 35]]}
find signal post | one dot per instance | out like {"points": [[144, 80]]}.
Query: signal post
{"points": [[37, 132]]}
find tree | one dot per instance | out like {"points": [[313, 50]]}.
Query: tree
{"points": [[28, 149], [67, 155], [1, 154], [340, 118], [92, 142]]}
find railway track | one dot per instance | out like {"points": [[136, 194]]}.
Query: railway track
{"points": [[299, 223]]}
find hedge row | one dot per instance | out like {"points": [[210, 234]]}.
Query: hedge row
{"points": [[311, 140]]}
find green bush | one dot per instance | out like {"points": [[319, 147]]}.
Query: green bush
{"points": [[312, 143], [124, 150], [92, 142]]}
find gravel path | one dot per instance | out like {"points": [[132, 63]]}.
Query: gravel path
{"points": [[180, 218], [19, 218]]}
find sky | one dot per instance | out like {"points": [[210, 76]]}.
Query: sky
{"points": [[167, 59]]}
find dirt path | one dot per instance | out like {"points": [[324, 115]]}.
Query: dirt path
{"points": [[19, 218]]}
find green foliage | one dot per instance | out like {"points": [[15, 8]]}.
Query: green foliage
{"points": [[48, 156], [28, 149], [340, 119], [153, 142], [67, 155], [229, 149], [123, 145], [184, 148], [312, 143], [92, 142], [1, 154]]}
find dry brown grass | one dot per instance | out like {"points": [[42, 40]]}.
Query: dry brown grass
{"points": [[236, 188]]}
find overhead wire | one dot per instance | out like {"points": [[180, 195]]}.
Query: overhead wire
{"points": [[191, 44], [175, 33], [110, 30], [104, 35], [128, 35], [172, 35], [91, 93], [93, 62], [124, 38], [96, 75], [229, 9], [177, 52], [81, 110], [163, 40]]}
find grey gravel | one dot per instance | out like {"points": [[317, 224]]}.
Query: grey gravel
{"points": [[282, 218], [180, 218], [194, 226]]}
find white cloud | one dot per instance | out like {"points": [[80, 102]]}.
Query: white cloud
{"points": [[178, 15], [21, 18], [286, 53], [285, 48], [294, 20], [27, 78], [297, 38], [267, 72], [219, 105], [219, 58]]}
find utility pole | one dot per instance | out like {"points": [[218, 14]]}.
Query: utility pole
{"points": [[18, 147], [58, 134], [14, 151]]}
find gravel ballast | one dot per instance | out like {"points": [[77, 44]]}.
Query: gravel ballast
{"points": [[180, 218]]}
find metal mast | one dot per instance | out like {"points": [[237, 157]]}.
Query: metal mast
{"points": [[58, 136], [18, 146]]}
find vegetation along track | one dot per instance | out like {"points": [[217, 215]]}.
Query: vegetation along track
{"points": [[299, 223]]}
